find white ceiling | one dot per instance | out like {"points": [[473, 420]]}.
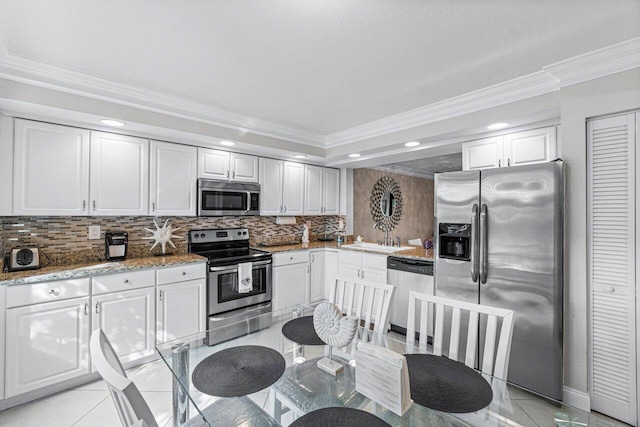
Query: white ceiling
{"points": [[318, 66]]}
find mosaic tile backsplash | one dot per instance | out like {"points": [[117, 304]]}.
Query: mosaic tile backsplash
{"points": [[64, 240]]}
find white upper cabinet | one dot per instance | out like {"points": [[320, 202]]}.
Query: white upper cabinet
{"points": [[51, 169], [313, 196], [223, 165], [293, 189], [533, 146], [482, 154], [521, 148], [322, 190], [271, 176], [281, 187], [119, 175], [172, 179], [244, 168], [331, 191], [6, 167]]}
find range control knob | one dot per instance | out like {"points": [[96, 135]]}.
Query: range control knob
{"points": [[202, 235], [239, 233], [244, 232]]}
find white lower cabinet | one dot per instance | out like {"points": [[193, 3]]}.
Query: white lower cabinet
{"points": [[357, 265], [47, 343], [331, 270], [128, 320], [316, 279], [181, 309], [290, 279]]}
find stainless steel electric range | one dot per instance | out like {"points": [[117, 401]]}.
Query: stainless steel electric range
{"points": [[230, 301]]}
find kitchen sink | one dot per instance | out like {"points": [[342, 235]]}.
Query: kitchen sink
{"points": [[376, 247]]}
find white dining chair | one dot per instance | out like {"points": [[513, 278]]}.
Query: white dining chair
{"points": [[130, 404], [369, 301], [134, 410], [495, 356]]}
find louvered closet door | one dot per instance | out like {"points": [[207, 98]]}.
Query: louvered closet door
{"points": [[612, 249]]}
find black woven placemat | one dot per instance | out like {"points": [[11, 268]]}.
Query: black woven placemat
{"points": [[446, 385], [339, 417], [238, 371], [301, 331]]}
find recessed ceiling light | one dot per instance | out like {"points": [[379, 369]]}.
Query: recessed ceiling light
{"points": [[497, 126], [110, 122], [227, 143], [300, 156], [354, 155], [412, 144]]}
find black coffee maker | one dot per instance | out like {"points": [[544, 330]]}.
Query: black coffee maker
{"points": [[115, 245]]}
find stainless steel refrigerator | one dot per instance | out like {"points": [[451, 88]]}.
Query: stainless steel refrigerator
{"points": [[499, 242]]}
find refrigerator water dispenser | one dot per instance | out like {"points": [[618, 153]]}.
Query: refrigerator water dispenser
{"points": [[455, 241]]}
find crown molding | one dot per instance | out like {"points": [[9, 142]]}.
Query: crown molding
{"points": [[24, 70], [598, 63], [517, 89]]}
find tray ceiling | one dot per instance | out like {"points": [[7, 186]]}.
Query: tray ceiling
{"points": [[315, 66]]}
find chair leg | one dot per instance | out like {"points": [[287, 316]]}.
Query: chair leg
{"points": [[180, 362], [298, 353]]}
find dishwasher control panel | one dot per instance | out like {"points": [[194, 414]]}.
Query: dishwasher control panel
{"points": [[410, 266]]}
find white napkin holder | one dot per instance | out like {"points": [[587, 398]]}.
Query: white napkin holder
{"points": [[382, 375]]}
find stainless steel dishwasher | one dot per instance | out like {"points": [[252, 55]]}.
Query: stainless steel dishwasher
{"points": [[407, 275]]}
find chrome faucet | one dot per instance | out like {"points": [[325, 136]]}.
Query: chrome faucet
{"points": [[381, 226]]}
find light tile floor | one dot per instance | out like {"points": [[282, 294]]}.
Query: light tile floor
{"points": [[91, 404]]}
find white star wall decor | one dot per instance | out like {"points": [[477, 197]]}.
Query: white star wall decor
{"points": [[162, 235]]}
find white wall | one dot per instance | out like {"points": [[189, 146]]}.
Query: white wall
{"points": [[607, 95]]}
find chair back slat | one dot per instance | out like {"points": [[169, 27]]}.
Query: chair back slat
{"points": [[504, 347], [439, 330], [497, 336], [489, 344], [472, 339], [454, 341], [423, 324]]}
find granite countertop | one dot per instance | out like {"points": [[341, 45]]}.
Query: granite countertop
{"points": [[74, 271], [417, 253]]}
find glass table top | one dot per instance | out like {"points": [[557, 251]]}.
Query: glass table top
{"points": [[303, 387]]}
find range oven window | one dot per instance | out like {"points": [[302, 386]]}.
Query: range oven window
{"points": [[218, 200], [228, 285]]}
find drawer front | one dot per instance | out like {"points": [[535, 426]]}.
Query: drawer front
{"points": [[34, 293], [123, 281], [181, 273], [286, 258]]}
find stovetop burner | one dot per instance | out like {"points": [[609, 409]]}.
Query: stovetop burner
{"points": [[225, 246]]}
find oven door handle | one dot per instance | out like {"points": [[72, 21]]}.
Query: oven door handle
{"points": [[246, 310], [235, 266]]}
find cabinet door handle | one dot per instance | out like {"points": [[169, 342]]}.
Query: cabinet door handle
{"points": [[280, 208], [508, 161], [86, 308], [160, 296], [184, 273], [153, 207], [362, 274], [285, 208], [498, 162], [233, 175], [126, 281], [94, 205], [358, 272], [84, 205], [54, 292], [227, 174], [97, 305]]}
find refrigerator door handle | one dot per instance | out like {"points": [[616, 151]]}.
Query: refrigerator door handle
{"points": [[484, 244], [474, 243]]}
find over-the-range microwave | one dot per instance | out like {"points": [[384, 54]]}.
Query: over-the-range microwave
{"points": [[217, 198]]}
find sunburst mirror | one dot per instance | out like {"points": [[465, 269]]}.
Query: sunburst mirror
{"points": [[386, 203]]}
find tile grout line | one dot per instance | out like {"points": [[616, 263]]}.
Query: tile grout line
{"points": [[108, 396], [525, 411]]}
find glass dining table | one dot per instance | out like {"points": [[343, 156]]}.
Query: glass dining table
{"points": [[303, 387]]}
